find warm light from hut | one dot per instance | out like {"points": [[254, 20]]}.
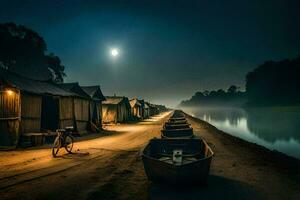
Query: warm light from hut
{"points": [[9, 92]]}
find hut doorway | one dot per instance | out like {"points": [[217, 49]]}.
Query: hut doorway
{"points": [[50, 113]]}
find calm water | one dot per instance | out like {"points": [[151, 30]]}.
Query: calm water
{"points": [[275, 128]]}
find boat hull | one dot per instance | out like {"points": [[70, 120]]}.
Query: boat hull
{"points": [[180, 133], [176, 126], [191, 173]]}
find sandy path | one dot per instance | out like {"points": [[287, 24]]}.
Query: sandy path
{"points": [[22, 172]]}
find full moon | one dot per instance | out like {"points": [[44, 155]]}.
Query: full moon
{"points": [[114, 52]]}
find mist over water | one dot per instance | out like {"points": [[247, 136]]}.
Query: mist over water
{"points": [[276, 128]]}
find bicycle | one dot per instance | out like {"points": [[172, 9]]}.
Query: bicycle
{"points": [[63, 139]]}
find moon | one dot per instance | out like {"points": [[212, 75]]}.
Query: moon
{"points": [[114, 52]]}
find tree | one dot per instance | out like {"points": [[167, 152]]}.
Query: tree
{"points": [[206, 93], [274, 83], [54, 63], [232, 97], [22, 51], [232, 89]]}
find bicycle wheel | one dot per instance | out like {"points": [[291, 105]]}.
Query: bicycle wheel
{"points": [[56, 146], [69, 143]]}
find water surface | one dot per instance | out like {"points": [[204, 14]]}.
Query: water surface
{"points": [[276, 128]]}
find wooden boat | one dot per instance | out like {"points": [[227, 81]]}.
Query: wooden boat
{"points": [[183, 122], [176, 126], [176, 118], [178, 113], [178, 121], [179, 161], [177, 133]]}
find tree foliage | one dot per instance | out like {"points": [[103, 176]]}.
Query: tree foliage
{"points": [[233, 97], [22, 51], [274, 83]]}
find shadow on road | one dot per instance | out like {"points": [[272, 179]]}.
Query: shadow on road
{"points": [[217, 188], [73, 155]]}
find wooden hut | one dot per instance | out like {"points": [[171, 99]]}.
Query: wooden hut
{"points": [[29, 106], [153, 109], [97, 97], [81, 106], [146, 110], [161, 108], [116, 109], [136, 109]]}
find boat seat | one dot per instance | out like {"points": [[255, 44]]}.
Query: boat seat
{"points": [[177, 156]]}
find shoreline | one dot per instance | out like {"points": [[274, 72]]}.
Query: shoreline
{"points": [[245, 142], [265, 173]]}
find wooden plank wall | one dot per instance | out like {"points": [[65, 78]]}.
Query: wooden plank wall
{"points": [[66, 112], [109, 113], [96, 112], [81, 110], [9, 117], [123, 112], [31, 108]]}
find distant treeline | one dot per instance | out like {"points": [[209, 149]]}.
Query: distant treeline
{"points": [[231, 97], [272, 83]]}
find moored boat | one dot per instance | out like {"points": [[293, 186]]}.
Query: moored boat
{"points": [[176, 126], [178, 113], [179, 161], [176, 118], [177, 133], [184, 121]]}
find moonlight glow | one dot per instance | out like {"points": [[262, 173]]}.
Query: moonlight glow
{"points": [[114, 52]]}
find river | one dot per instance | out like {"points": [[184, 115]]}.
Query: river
{"points": [[276, 128]]}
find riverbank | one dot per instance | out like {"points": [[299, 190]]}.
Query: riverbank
{"points": [[110, 167], [269, 174]]}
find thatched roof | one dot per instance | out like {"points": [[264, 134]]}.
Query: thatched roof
{"points": [[74, 87], [32, 86], [146, 105], [115, 100], [94, 92], [134, 102]]}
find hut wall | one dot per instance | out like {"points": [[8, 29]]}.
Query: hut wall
{"points": [[99, 108], [9, 118], [138, 111], [109, 113], [31, 109], [146, 113], [93, 115], [96, 112], [128, 113], [81, 111], [66, 112], [135, 111], [123, 112]]}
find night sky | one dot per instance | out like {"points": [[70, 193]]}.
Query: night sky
{"points": [[168, 49]]}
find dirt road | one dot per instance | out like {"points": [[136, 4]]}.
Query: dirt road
{"points": [[101, 169], [110, 167]]}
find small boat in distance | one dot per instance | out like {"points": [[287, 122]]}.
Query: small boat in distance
{"points": [[184, 121], [178, 161], [177, 133], [176, 126], [176, 119]]}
